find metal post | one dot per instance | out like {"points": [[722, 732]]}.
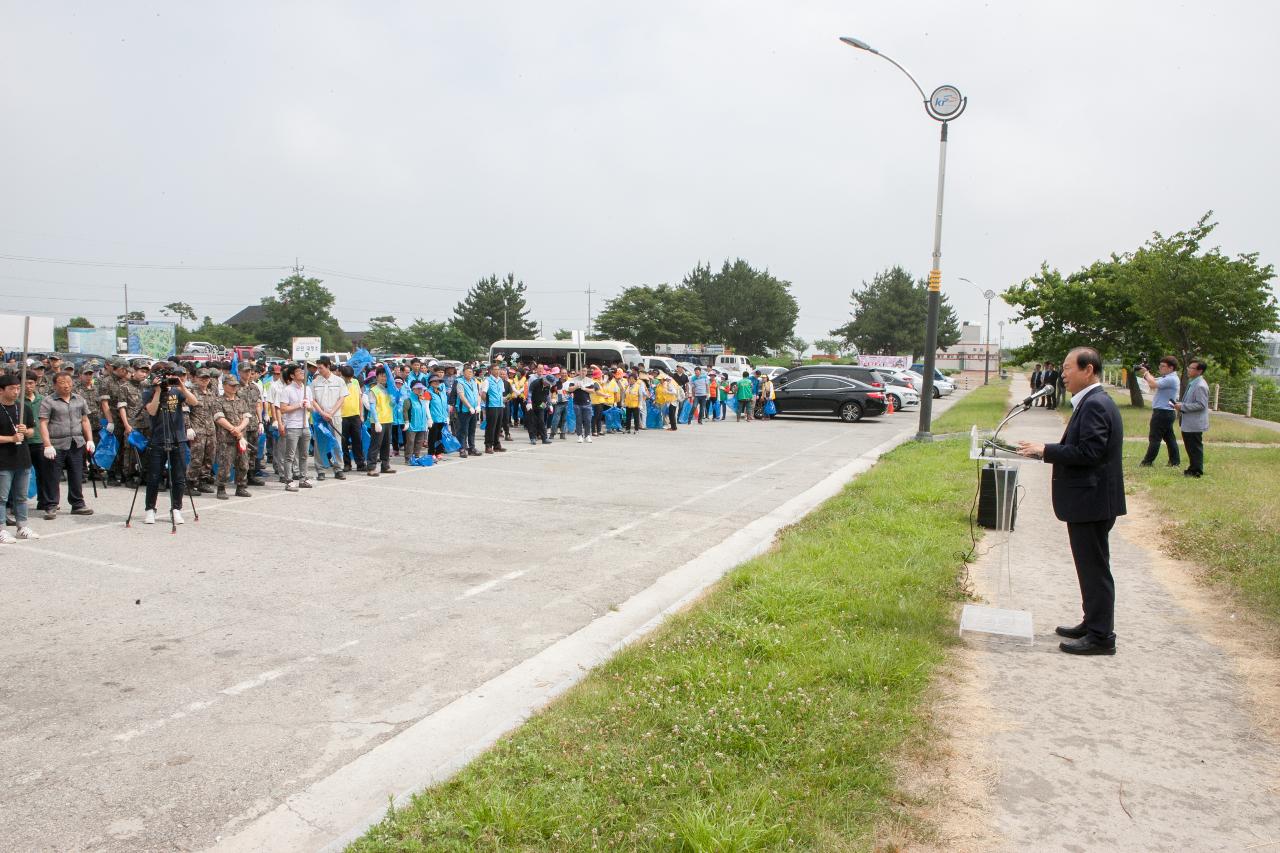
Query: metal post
{"points": [[1248, 403], [22, 385], [986, 361], [935, 300], [1216, 388]]}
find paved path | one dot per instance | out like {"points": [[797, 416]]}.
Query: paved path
{"points": [[161, 691], [1158, 748]]}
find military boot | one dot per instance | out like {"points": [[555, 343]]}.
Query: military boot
{"points": [[242, 492], [222, 493]]}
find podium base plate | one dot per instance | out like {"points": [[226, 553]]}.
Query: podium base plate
{"points": [[1015, 624]]}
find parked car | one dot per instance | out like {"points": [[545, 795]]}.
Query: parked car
{"points": [[659, 362], [819, 391], [734, 365], [866, 375], [942, 385], [770, 370]]}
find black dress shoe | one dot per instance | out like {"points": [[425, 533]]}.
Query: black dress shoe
{"points": [[1087, 646], [1073, 633]]}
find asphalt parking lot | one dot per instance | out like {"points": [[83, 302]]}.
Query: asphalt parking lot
{"points": [[162, 691]]}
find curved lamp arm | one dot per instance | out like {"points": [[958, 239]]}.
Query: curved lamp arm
{"points": [[862, 45]]}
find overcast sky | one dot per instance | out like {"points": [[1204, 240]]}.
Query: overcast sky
{"points": [[592, 144]]}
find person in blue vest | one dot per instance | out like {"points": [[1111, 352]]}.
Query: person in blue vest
{"points": [[438, 409], [417, 422], [468, 408], [493, 389]]}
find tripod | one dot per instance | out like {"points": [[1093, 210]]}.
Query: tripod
{"points": [[173, 523]]}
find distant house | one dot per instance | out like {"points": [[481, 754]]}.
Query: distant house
{"points": [[246, 317], [357, 338]]}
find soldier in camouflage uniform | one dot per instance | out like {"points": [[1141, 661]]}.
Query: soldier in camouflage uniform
{"points": [[44, 384], [128, 403], [251, 393], [232, 418], [203, 447], [109, 407]]}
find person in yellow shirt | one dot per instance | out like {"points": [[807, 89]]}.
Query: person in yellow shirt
{"points": [[352, 413], [601, 398], [631, 398], [519, 384]]}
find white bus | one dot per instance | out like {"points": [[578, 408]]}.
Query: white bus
{"points": [[566, 353]]}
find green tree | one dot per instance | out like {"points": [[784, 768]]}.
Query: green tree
{"points": [[300, 308], [1169, 296], [645, 315], [385, 335], [890, 316], [443, 340], [750, 310], [79, 323], [181, 310], [1199, 301], [830, 346], [491, 304]]}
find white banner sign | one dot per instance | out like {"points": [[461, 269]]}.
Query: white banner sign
{"points": [[307, 349], [901, 362], [41, 335]]}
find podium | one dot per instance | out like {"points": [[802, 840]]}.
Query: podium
{"points": [[997, 511]]}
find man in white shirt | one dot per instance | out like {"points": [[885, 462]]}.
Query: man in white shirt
{"points": [[293, 408], [328, 389]]}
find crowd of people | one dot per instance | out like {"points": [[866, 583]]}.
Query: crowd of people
{"points": [[221, 427]]}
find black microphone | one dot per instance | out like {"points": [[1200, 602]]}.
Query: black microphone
{"points": [[1043, 392]]}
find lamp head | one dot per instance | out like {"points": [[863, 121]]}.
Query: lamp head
{"points": [[860, 45]]}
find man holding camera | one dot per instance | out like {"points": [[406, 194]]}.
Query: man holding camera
{"points": [[1163, 413], [163, 401]]}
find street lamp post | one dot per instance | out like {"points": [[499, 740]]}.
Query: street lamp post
{"points": [[944, 105], [986, 358]]}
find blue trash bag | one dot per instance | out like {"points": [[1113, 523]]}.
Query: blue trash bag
{"points": [[105, 453], [32, 488], [653, 417], [448, 443], [613, 418], [769, 408], [262, 445], [137, 440], [732, 404], [571, 418], [426, 460], [326, 441], [686, 412], [366, 436]]}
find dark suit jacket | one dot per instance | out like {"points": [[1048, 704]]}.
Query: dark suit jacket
{"points": [[1050, 377], [1088, 470], [1035, 379]]}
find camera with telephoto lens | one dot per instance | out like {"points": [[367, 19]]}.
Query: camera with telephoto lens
{"points": [[1141, 365]]}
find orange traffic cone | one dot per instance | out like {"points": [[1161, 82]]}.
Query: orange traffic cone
{"points": [[891, 404]]}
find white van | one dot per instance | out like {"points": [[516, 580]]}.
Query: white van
{"points": [[337, 358], [659, 362], [734, 365]]}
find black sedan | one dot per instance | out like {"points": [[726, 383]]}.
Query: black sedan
{"points": [[827, 394]]}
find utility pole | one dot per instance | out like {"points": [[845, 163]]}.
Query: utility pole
{"points": [[126, 304], [504, 318], [589, 292]]}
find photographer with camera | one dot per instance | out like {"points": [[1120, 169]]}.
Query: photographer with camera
{"points": [[163, 400], [1165, 386]]}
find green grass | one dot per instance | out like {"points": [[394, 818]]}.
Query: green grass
{"points": [[984, 406], [764, 717], [1137, 421], [1226, 521]]}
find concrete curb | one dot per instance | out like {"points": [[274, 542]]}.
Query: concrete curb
{"points": [[338, 809]]}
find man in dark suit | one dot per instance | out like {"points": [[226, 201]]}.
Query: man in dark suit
{"points": [[1088, 494], [1035, 380], [1050, 378]]}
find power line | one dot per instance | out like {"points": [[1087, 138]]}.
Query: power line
{"points": [[114, 265]]}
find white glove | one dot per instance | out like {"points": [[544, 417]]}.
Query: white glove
{"points": [[89, 447], [49, 452], [377, 426], [111, 428], [242, 445], [191, 434]]}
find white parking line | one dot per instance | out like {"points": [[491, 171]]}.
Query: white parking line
{"points": [[234, 690], [488, 585], [618, 531], [318, 522], [90, 561]]}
